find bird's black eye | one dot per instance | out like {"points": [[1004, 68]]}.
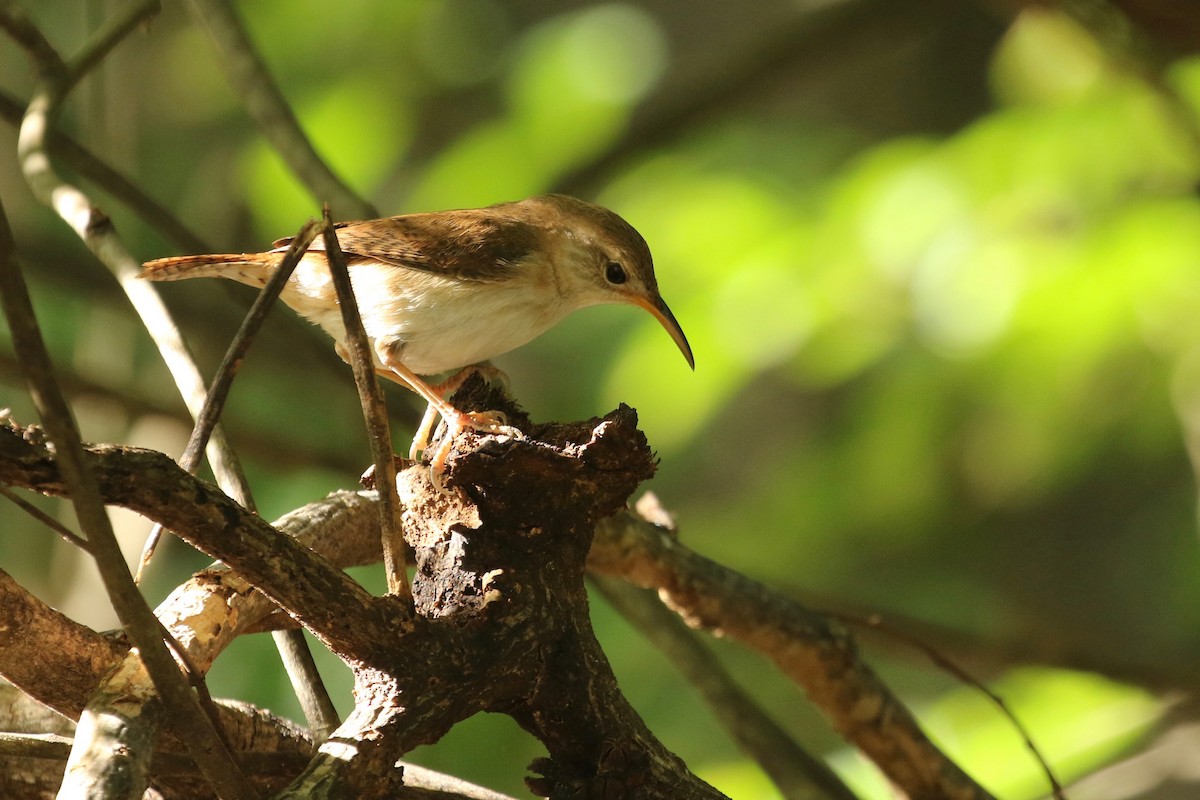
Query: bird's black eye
{"points": [[615, 273]]}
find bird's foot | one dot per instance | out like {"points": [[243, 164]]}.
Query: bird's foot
{"points": [[494, 423]]}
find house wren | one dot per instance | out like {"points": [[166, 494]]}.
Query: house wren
{"points": [[446, 290]]}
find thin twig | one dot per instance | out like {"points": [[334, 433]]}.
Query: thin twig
{"points": [[41, 516], [214, 402], [102, 42], [944, 663], [362, 360], [15, 22], [263, 99], [311, 692]]}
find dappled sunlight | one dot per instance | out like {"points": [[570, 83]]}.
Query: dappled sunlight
{"points": [[943, 297]]}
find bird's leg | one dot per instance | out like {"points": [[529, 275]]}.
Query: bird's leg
{"points": [[485, 421], [447, 388], [421, 439], [453, 420], [431, 411]]}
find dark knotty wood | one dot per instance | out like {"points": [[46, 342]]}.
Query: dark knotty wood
{"points": [[500, 617]]}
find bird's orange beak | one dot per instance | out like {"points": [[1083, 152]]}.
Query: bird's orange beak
{"points": [[658, 307]]}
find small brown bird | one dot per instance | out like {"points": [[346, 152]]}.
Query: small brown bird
{"points": [[446, 290]]}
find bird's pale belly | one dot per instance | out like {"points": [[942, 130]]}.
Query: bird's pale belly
{"points": [[435, 326]]}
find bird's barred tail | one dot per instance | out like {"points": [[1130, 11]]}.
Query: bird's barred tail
{"points": [[252, 269]]}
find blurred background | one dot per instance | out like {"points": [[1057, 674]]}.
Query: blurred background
{"points": [[939, 262]]}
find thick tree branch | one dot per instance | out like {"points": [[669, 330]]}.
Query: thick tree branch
{"points": [[148, 482], [30, 630]]}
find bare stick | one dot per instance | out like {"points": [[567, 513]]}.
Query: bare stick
{"points": [[214, 403], [102, 42], [17, 24], [362, 359], [944, 663], [41, 516]]}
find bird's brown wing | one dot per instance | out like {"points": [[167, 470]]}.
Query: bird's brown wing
{"points": [[465, 244]]}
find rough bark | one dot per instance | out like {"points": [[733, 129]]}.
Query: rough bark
{"points": [[499, 620]]}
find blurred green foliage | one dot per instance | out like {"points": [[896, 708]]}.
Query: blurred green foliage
{"points": [[951, 375]]}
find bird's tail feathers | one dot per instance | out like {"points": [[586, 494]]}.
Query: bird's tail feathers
{"points": [[252, 269]]}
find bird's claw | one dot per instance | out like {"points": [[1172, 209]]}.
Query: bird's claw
{"points": [[493, 423]]}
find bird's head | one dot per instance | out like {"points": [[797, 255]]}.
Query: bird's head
{"points": [[600, 258]]}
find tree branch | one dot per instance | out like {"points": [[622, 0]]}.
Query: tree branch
{"points": [[150, 483], [815, 653], [489, 558], [362, 360], [795, 772]]}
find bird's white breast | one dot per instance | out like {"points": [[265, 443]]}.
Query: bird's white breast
{"points": [[437, 323]]}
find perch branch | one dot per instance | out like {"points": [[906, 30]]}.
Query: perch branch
{"points": [[509, 564]]}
